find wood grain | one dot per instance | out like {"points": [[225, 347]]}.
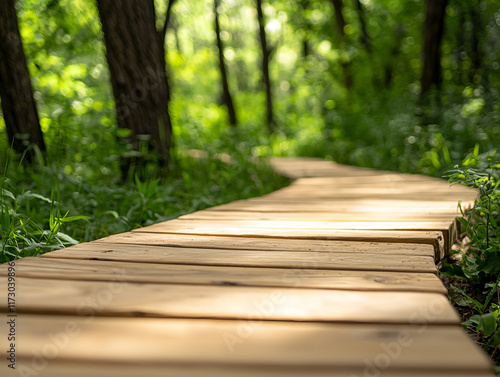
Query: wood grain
{"points": [[247, 258], [170, 342], [269, 244], [121, 298], [434, 238], [95, 270]]}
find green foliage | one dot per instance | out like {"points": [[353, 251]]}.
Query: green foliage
{"points": [[479, 260], [112, 206], [21, 234]]}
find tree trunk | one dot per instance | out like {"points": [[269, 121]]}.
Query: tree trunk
{"points": [[340, 23], [18, 105], [365, 37], [226, 94], [434, 29], [306, 49], [475, 52], [136, 57], [460, 49], [266, 53], [393, 55]]}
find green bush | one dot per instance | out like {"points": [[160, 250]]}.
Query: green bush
{"points": [[478, 261]]}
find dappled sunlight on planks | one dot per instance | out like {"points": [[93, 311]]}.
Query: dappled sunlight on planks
{"points": [[331, 276]]}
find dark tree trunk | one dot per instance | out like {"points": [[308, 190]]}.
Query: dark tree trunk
{"points": [[340, 23], [306, 49], [460, 50], [226, 94], [434, 29], [266, 54], [365, 37], [18, 105], [136, 57], [475, 52], [393, 55]]}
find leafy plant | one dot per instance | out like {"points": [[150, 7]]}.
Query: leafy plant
{"points": [[21, 235], [478, 261]]}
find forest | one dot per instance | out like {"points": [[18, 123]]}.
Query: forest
{"points": [[120, 114]]}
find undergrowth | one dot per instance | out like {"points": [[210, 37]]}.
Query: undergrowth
{"points": [[43, 208], [475, 268]]}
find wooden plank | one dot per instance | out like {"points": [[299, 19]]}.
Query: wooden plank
{"points": [[298, 167], [69, 269], [358, 205], [311, 196], [269, 244], [417, 189], [174, 342], [302, 228], [434, 238], [119, 298], [343, 216], [447, 228], [86, 369], [247, 258], [388, 179], [443, 226]]}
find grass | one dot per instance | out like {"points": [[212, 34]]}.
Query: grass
{"points": [[44, 215]]}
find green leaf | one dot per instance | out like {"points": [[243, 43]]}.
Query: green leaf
{"points": [[453, 270], [30, 195], [73, 218], [472, 321], [491, 263], [66, 239], [487, 324], [8, 194], [495, 340]]}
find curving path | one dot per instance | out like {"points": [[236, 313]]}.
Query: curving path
{"points": [[332, 276]]}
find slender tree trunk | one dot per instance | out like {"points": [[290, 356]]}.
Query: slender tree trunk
{"points": [[340, 23], [266, 53], [18, 105], [226, 94], [136, 58], [306, 48], [393, 55], [475, 52], [434, 29], [365, 37], [460, 50]]}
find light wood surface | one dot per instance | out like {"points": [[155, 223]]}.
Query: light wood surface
{"points": [[120, 298], [247, 258], [268, 244], [435, 238], [334, 275], [171, 342], [329, 216], [97, 270]]}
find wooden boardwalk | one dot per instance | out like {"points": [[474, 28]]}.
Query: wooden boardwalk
{"points": [[332, 276]]}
